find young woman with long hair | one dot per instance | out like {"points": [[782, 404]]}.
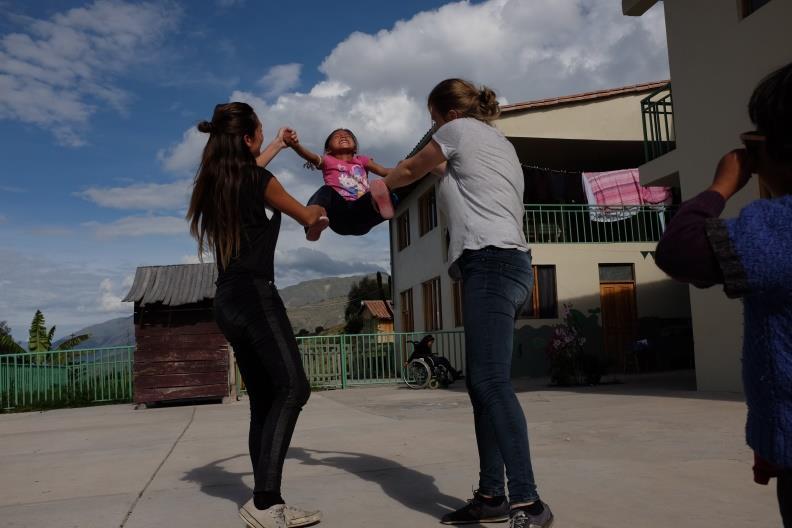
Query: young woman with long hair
{"points": [[235, 212]]}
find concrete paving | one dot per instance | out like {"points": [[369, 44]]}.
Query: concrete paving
{"points": [[632, 455]]}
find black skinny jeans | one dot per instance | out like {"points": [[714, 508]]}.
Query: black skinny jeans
{"points": [[252, 317], [347, 217], [784, 491]]}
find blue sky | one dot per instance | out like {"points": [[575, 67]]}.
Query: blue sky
{"points": [[99, 99]]}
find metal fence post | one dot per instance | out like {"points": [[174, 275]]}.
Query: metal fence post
{"points": [[343, 362]]}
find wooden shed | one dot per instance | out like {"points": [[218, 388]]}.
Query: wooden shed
{"points": [[181, 353]]}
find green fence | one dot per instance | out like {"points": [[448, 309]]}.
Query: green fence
{"points": [[657, 113], [345, 360], [39, 380], [595, 224]]}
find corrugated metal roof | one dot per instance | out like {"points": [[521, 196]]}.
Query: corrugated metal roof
{"points": [[378, 309], [173, 285]]}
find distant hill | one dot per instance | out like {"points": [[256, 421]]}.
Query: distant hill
{"points": [[313, 303], [319, 302], [114, 332]]}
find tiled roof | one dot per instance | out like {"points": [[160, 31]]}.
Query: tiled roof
{"points": [[173, 285], [378, 309], [586, 96]]}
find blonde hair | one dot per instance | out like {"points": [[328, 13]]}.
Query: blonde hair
{"points": [[464, 97]]}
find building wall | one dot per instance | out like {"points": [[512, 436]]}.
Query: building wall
{"points": [[716, 61], [614, 119]]}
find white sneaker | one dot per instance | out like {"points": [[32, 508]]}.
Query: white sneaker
{"points": [[272, 517], [296, 517]]}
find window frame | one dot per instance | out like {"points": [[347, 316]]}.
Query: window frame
{"points": [[459, 314], [403, 230], [432, 304], [534, 303], [407, 310], [427, 212]]}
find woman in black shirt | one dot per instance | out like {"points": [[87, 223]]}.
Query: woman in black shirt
{"points": [[235, 210]]}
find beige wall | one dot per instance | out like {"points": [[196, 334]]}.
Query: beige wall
{"points": [[716, 61], [577, 277], [614, 119]]}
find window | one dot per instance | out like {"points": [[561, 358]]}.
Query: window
{"points": [[427, 208], [433, 310], [616, 273], [403, 230], [407, 319], [458, 318], [748, 7], [544, 298]]}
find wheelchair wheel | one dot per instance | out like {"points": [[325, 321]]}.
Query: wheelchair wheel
{"points": [[416, 375], [433, 383]]}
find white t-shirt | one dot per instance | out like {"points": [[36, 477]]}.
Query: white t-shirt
{"points": [[481, 192]]}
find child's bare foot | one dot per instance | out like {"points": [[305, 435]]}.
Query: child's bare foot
{"points": [[314, 231], [381, 196]]}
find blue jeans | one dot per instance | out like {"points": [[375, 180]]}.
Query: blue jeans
{"points": [[496, 285]]}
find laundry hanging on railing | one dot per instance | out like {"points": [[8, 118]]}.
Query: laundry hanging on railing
{"points": [[612, 192]]}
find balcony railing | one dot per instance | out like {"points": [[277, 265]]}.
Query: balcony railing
{"points": [[657, 112], [595, 224]]}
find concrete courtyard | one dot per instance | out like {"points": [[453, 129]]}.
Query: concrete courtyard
{"points": [[632, 455]]}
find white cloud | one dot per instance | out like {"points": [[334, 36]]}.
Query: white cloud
{"points": [[146, 197], [377, 84], [71, 295], [108, 300], [55, 73], [193, 259], [140, 226], [184, 156], [281, 78]]}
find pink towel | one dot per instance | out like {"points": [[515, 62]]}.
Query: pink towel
{"points": [[623, 187]]}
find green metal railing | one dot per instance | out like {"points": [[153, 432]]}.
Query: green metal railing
{"points": [[595, 224], [657, 113], [345, 360], [37, 380]]}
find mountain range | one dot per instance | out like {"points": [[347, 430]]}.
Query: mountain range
{"points": [[310, 304]]}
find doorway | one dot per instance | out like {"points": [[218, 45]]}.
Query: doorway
{"points": [[619, 313]]}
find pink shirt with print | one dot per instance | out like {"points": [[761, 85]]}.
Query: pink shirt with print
{"points": [[348, 178]]}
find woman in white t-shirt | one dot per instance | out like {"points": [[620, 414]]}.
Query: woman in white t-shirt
{"points": [[480, 192]]}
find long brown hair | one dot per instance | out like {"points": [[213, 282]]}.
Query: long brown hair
{"points": [[464, 97], [226, 162]]}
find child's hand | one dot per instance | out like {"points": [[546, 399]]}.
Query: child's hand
{"points": [[732, 174], [289, 137]]}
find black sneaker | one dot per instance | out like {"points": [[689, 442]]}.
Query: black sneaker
{"points": [[478, 511], [522, 519]]}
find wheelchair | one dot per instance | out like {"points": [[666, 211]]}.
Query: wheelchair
{"points": [[424, 371]]}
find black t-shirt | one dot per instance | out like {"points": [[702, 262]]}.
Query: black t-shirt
{"points": [[258, 231]]}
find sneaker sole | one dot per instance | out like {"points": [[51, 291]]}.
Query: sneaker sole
{"points": [[492, 520], [381, 195], [249, 520], [315, 230]]}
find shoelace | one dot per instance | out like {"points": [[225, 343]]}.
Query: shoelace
{"points": [[520, 520]]}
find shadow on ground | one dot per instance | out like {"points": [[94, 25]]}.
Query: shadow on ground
{"points": [[413, 489]]}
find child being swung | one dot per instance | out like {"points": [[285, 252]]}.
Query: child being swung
{"points": [[354, 206]]}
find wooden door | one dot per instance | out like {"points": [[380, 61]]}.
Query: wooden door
{"points": [[619, 318]]}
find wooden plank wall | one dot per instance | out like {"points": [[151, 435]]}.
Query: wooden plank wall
{"points": [[180, 354]]}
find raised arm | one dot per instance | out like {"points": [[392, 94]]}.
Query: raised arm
{"points": [[304, 153], [277, 197], [376, 168], [415, 168], [272, 150]]}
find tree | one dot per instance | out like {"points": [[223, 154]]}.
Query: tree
{"points": [[40, 339], [368, 288], [7, 343], [318, 330]]}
